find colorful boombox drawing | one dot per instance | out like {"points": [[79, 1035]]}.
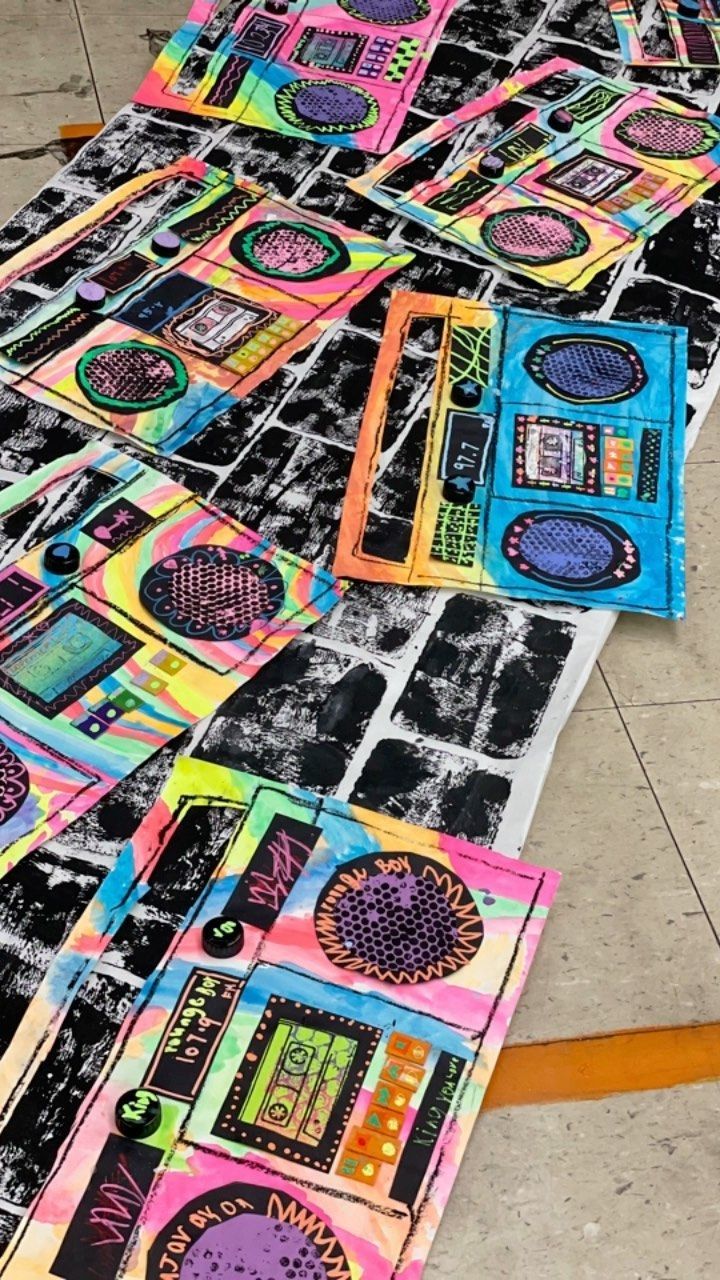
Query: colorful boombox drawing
{"points": [[293, 1091], [546, 463], [141, 611], [557, 173], [337, 71], [154, 330]]}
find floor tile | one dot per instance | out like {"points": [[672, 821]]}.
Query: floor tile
{"points": [[707, 446], [23, 170], [622, 1188], [627, 944], [46, 82], [595, 696], [153, 10], [680, 748], [121, 46], [651, 660]]}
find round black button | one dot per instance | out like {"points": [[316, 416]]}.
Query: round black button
{"points": [[459, 491], [561, 120], [467, 393], [138, 1113], [492, 166], [165, 244], [223, 937], [90, 295], [61, 557], [689, 8]]}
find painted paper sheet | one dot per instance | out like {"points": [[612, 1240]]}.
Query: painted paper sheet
{"points": [[386, 686], [668, 33], [573, 185], [336, 71], [134, 612], [199, 307], [548, 459], [318, 1085]]}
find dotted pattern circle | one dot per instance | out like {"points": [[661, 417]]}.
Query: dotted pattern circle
{"points": [[567, 548], [290, 250], [534, 235], [252, 1232], [591, 370], [131, 377], [320, 106], [212, 593], [253, 1247], [389, 13], [403, 925], [666, 135]]}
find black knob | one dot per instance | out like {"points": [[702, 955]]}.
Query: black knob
{"points": [[459, 490], [61, 558], [689, 8], [138, 1113], [561, 120], [467, 393], [165, 244], [492, 166], [223, 937], [90, 295]]}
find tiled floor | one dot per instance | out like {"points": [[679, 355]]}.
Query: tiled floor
{"points": [[624, 1187]]}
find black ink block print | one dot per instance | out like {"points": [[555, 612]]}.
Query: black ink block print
{"points": [[485, 677], [433, 788], [297, 1084]]}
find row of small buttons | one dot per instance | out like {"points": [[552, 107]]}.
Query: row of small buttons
{"points": [[377, 55], [99, 719]]}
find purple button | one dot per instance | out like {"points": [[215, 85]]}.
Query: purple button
{"points": [[166, 244], [561, 120], [90, 294], [492, 166]]}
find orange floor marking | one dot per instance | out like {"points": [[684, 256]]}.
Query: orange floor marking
{"points": [[80, 130], [623, 1062]]}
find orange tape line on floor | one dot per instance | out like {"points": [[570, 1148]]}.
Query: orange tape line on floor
{"points": [[624, 1062], [80, 130]]}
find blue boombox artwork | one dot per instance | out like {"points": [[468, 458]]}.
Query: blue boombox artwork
{"points": [[542, 459]]}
